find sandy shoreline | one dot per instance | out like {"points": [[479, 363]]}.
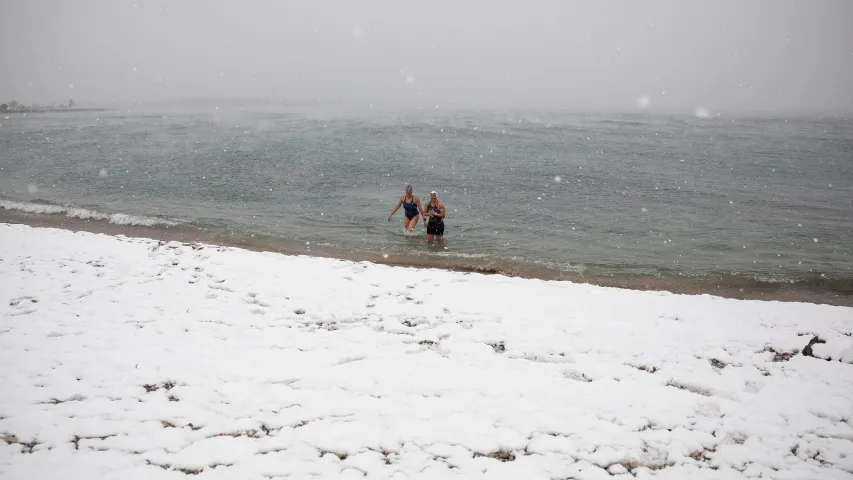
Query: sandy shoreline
{"points": [[826, 292]]}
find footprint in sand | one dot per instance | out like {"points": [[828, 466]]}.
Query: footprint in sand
{"points": [[195, 276], [371, 301], [23, 305], [260, 307], [218, 285]]}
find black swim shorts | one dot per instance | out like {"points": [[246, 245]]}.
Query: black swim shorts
{"points": [[435, 228]]}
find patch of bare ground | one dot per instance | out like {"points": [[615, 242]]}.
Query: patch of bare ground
{"points": [[342, 456], [717, 363], [153, 387], [241, 433], [500, 455], [646, 368], [690, 388], [72, 398], [652, 426], [703, 455], [77, 438], [168, 424], [386, 455], [26, 447], [499, 347], [780, 356], [185, 470], [267, 430], [632, 465]]}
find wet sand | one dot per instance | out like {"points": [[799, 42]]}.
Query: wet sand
{"points": [[832, 292]]}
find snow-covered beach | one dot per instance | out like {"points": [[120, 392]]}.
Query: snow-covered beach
{"points": [[135, 358]]}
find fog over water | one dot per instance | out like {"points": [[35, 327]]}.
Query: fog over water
{"points": [[759, 56]]}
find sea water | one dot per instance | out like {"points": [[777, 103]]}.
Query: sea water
{"points": [[768, 199]]}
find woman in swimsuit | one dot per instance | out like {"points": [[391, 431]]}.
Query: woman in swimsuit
{"points": [[411, 206], [436, 212]]}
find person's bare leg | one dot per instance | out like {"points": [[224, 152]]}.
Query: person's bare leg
{"points": [[440, 239], [430, 238], [412, 223]]}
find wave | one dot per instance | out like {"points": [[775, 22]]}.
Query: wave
{"points": [[461, 254], [76, 212], [769, 279]]}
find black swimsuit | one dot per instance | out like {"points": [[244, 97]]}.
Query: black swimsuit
{"points": [[411, 209], [436, 224]]}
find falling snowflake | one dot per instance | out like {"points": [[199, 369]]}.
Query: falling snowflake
{"points": [[643, 101], [558, 179], [103, 172], [32, 188], [358, 31]]}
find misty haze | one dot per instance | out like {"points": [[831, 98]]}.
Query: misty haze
{"points": [[765, 56], [386, 239]]}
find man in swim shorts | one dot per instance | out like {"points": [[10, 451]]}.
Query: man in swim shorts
{"points": [[412, 208], [436, 212]]}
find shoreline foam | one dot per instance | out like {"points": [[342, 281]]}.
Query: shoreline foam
{"points": [[819, 291], [85, 214]]}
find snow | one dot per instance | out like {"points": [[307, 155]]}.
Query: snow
{"points": [[134, 358]]}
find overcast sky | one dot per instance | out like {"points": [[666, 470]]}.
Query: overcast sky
{"points": [[773, 55]]}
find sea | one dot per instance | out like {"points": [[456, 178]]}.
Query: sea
{"points": [[632, 197]]}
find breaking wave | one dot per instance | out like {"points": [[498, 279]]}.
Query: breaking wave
{"points": [[76, 212]]}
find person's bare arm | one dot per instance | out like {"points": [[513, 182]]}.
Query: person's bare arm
{"points": [[399, 204], [424, 212], [441, 211]]}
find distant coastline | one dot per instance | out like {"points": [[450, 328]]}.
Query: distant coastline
{"points": [[51, 110]]}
